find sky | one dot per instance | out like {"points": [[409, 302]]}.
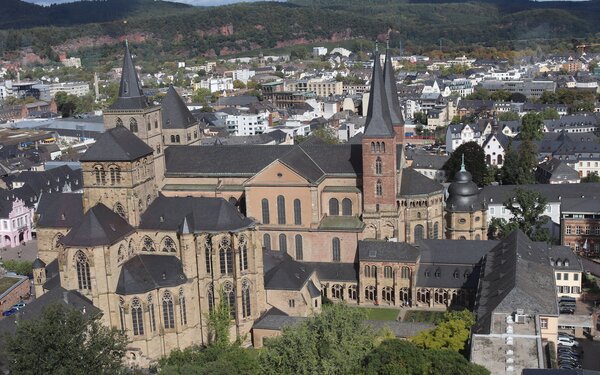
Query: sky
{"points": [[191, 2]]}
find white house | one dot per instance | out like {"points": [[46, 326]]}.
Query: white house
{"points": [[495, 146], [458, 134]]}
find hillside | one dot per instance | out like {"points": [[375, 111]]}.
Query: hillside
{"points": [[161, 30]]}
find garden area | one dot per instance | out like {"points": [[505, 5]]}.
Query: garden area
{"points": [[380, 314], [423, 316]]}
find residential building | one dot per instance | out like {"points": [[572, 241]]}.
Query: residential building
{"points": [[530, 88], [554, 171], [580, 224]]}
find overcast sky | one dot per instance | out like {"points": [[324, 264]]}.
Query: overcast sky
{"points": [[192, 2]]}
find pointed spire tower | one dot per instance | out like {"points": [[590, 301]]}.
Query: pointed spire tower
{"points": [[391, 92], [379, 150], [133, 111]]}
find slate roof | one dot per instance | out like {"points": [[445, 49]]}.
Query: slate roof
{"points": [[130, 89], [52, 180], [414, 183], [276, 320], [335, 271], [555, 170], [99, 226], [301, 163], [453, 251], [379, 122], [175, 114], [145, 272], [391, 91], [237, 101], [384, 251], [286, 273], [428, 161], [447, 276], [516, 275], [193, 215], [552, 192], [117, 144], [60, 210], [563, 258], [247, 160]]}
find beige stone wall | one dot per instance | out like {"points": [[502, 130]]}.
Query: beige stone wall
{"points": [[48, 247], [466, 225], [189, 136], [259, 336]]}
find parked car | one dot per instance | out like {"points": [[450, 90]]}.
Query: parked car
{"points": [[10, 312], [19, 305], [565, 341], [566, 310]]}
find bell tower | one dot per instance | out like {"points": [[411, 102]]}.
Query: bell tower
{"points": [[379, 155], [133, 111]]}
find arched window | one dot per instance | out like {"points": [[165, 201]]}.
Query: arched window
{"points": [[405, 273], [169, 245], [382, 146], [182, 308], [372, 146], [131, 248], [119, 122], [283, 243], [488, 159], [115, 175], [378, 146], [83, 271], [243, 247], [225, 256], [172, 138], [168, 316], [246, 310], [299, 250], [367, 271], [388, 273], [229, 294], [133, 125], [297, 212], [208, 255], [499, 159], [418, 232], [151, 311], [335, 246], [378, 188], [267, 241], [436, 230], [477, 237], [378, 165], [337, 291], [370, 293], [120, 210], [121, 254], [387, 294], [347, 207], [210, 295], [149, 126], [374, 271], [148, 244], [334, 207], [122, 313], [100, 175], [265, 211], [177, 139], [137, 317], [280, 210], [352, 292]]}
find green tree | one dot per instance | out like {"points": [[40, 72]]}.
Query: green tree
{"points": [[508, 116], [479, 94], [532, 127], [65, 341], [20, 267], [212, 360], [519, 165], [455, 120], [419, 129], [527, 209], [492, 175], [325, 134], [202, 96], [451, 333], [420, 117], [500, 95], [550, 114], [237, 84], [474, 162], [592, 177], [400, 357], [336, 341]]}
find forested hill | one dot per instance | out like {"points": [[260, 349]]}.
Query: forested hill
{"points": [[19, 14], [162, 29]]}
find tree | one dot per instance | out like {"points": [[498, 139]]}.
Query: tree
{"points": [[400, 357], [451, 333], [519, 165], [419, 129], [527, 209], [20, 267], [532, 127], [500, 95], [325, 134], [336, 341], [202, 96], [420, 117], [508, 116], [592, 177], [474, 162], [237, 84], [65, 341], [550, 114], [492, 174]]}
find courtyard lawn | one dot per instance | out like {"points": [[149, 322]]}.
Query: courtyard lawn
{"points": [[380, 314], [6, 283], [423, 316]]}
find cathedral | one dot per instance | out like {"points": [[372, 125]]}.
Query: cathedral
{"points": [[166, 229]]}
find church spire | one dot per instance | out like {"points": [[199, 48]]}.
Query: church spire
{"points": [[378, 123], [391, 90], [130, 89]]}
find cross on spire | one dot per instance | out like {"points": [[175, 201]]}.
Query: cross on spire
{"points": [[462, 165]]}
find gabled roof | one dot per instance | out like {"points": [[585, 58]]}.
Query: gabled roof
{"points": [[99, 226], [301, 163], [379, 122], [286, 274], [60, 210], [193, 215], [414, 183], [117, 144], [384, 251], [130, 89], [146, 272], [175, 114], [391, 91]]}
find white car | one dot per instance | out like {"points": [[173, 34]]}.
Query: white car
{"points": [[567, 341]]}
